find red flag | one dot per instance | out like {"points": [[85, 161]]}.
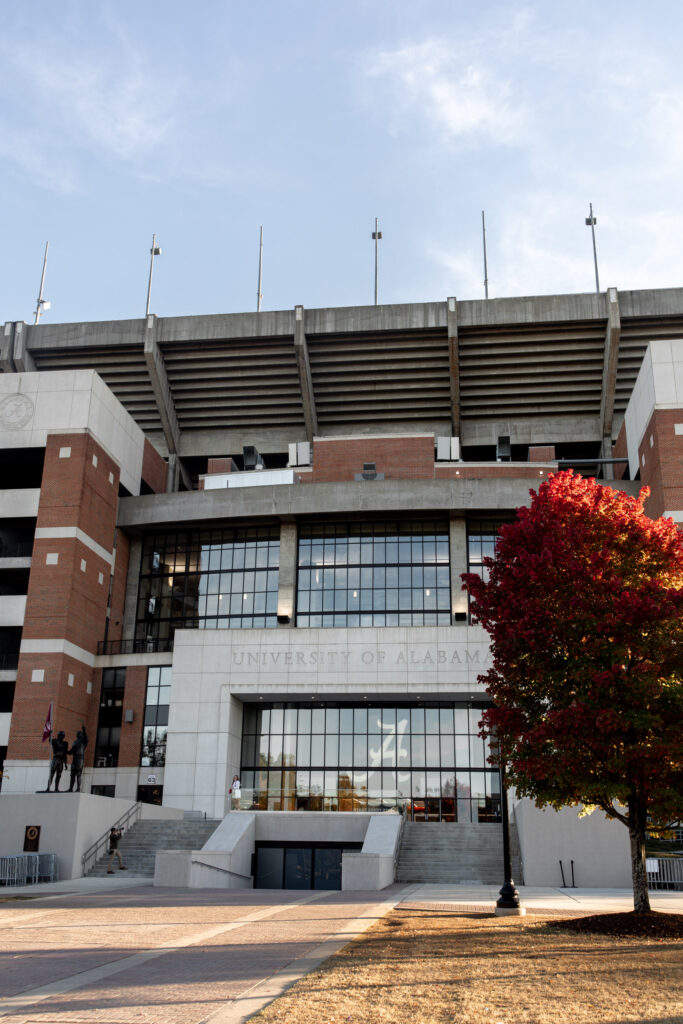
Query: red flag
{"points": [[47, 728]]}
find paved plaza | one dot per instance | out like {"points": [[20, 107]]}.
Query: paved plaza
{"points": [[129, 953]]}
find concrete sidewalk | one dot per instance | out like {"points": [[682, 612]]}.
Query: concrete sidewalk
{"points": [[599, 901], [113, 951], [119, 880]]}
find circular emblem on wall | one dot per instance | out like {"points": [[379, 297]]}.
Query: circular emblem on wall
{"points": [[31, 832], [15, 411]]}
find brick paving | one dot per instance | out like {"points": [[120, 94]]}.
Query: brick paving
{"points": [[176, 956]]}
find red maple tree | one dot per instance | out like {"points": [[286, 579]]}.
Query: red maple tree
{"points": [[584, 607]]}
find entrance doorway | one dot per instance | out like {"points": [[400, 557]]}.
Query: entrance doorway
{"points": [[299, 865]]}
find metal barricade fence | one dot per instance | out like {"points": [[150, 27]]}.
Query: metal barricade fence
{"points": [[28, 869], [665, 873]]}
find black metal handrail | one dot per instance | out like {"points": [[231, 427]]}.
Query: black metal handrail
{"points": [[92, 853], [147, 646]]}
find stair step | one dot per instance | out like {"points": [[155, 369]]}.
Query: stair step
{"points": [[141, 842], [451, 852]]}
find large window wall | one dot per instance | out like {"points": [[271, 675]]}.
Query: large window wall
{"points": [[208, 579], [108, 736], [482, 535], [429, 761], [374, 574], [155, 727]]}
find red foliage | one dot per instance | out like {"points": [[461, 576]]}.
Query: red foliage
{"points": [[584, 606]]}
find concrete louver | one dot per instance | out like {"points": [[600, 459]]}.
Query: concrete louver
{"points": [[385, 368]]}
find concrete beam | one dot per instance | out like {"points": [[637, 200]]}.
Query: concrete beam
{"points": [[175, 473], [7, 348], [453, 362], [459, 560], [160, 386], [23, 360], [287, 575], [417, 316], [287, 501], [304, 368], [609, 377]]}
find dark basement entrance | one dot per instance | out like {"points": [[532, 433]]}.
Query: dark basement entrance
{"points": [[299, 865]]}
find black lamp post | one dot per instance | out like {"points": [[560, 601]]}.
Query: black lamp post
{"points": [[508, 901]]}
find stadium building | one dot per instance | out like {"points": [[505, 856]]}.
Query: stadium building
{"points": [[232, 545]]}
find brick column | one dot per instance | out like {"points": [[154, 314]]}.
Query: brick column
{"points": [[66, 606]]}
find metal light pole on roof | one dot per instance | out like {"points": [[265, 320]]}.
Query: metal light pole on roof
{"points": [[42, 304], [154, 251], [376, 234], [486, 266], [259, 293], [591, 222]]}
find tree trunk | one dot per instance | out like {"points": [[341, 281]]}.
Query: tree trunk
{"points": [[641, 896]]}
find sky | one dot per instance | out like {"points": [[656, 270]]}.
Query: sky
{"points": [[312, 117]]}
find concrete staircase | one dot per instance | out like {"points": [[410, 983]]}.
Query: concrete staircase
{"points": [[140, 843], [455, 853]]}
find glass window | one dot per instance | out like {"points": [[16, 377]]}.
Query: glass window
{"points": [[155, 727], [362, 758], [108, 735], [381, 567], [198, 580]]}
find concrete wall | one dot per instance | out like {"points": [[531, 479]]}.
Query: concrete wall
{"points": [[69, 823], [599, 847], [214, 670], [33, 405], [12, 609], [19, 503], [224, 862], [659, 385], [372, 868]]}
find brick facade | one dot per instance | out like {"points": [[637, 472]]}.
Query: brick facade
{"points": [[131, 732], [68, 590], [660, 456], [408, 458], [154, 468]]}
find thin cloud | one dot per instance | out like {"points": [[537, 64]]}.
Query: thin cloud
{"points": [[467, 102], [113, 106]]}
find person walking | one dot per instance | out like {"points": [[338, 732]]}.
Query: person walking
{"points": [[114, 836]]}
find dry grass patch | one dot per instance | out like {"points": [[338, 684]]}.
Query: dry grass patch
{"points": [[429, 967]]}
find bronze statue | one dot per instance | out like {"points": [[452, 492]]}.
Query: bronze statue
{"points": [[60, 749], [77, 755]]}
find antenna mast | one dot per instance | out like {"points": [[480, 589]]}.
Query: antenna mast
{"points": [[42, 304], [376, 234], [154, 251], [259, 293], [486, 267], [591, 222]]}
